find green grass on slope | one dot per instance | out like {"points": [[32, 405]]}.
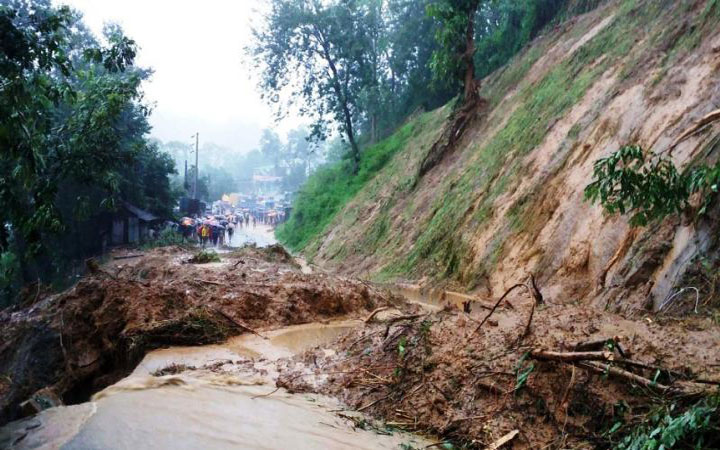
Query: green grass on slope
{"points": [[468, 197], [330, 188]]}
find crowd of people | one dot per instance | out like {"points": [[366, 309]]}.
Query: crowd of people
{"points": [[215, 231]]}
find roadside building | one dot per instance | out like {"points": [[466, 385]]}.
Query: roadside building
{"points": [[131, 225]]}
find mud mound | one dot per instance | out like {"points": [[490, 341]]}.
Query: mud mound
{"points": [[273, 253], [435, 374], [84, 339]]}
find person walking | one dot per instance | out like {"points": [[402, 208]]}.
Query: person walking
{"points": [[214, 235], [231, 231], [204, 235]]}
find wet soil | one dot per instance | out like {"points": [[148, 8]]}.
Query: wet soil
{"points": [[434, 374], [216, 396], [80, 341], [421, 363]]}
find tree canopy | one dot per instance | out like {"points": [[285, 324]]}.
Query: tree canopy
{"points": [[73, 132], [361, 67]]}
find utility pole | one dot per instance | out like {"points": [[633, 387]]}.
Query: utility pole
{"points": [[197, 168]]}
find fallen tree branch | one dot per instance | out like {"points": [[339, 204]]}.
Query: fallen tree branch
{"points": [[526, 331], [265, 395], [599, 344], [629, 376], [708, 119], [602, 356], [545, 355], [140, 255], [492, 388], [503, 440], [374, 403], [537, 300], [535, 291], [498, 304], [374, 313], [562, 403]]}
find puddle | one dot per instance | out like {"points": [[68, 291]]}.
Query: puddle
{"points": [[260, 235], [202, 409], [434, 299], [281, 343]]}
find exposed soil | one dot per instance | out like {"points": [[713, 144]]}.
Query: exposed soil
{"points": [[90, 336], [434, 374]]}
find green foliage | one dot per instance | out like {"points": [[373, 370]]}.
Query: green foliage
{"points": [[330, 188], [696, 427], [510, 26], [628, 182], [205, 257], [501, 28], [72, 130], [323, 52], [166, 238], [455, 37], [402, 347], [523, 371], [8, 271]]}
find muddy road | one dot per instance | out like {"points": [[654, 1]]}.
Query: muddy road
{"points": [[217, 396], [258, 351]]}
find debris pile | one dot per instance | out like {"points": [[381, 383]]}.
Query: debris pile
{"points": [[90, 336], [569, 376]]}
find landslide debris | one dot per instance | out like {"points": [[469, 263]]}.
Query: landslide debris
{"points": [[82, 340], [580, 378]]}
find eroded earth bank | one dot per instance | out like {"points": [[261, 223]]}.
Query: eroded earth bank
{"points": [[156, 350]]}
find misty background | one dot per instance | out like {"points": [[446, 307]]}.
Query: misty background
{"points": [[202, 82]]}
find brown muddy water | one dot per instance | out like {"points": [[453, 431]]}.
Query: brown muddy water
{"points": [[205, 409]]}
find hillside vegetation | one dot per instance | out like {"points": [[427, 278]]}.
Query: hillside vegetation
{"points": [[509, 200]]}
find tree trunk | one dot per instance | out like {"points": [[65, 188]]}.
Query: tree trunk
{"points": [[470, 94], [351, 137], [347, 116]]}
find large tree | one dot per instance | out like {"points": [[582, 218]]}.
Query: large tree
{"points": [[455, 59], [316, 53], [72, 134]]}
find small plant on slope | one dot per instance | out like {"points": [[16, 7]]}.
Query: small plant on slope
{"points": [[696, 428]]}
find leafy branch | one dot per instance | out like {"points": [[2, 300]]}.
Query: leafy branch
{"points": [[649, 187]]}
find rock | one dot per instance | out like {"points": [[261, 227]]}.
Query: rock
{"points": [[40, 401]]}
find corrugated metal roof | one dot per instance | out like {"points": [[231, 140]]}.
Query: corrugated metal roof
{"points": [[141, 214]]}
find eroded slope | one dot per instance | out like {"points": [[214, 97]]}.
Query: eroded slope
{"points": [[509, 200]]}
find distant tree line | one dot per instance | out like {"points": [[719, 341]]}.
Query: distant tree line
{"points": [[359, 68], [73, 141], [224, 170]]}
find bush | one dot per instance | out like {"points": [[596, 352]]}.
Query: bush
{"points": [[166, 238], [205, 257], [627, 182], [696, 427]]}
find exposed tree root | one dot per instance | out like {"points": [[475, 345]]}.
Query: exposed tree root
{"points": [[455, 129]]}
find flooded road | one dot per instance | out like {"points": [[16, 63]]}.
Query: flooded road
{"points": [[208, 409], [260, 235]]}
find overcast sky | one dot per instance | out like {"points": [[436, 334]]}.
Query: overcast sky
{"points": [[196, 49]]}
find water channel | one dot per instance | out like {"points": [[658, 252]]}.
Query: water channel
{"points": [[206, 409]]}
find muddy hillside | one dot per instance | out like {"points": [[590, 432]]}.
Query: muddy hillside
{"points": [[63, 348], [508, 200]]}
